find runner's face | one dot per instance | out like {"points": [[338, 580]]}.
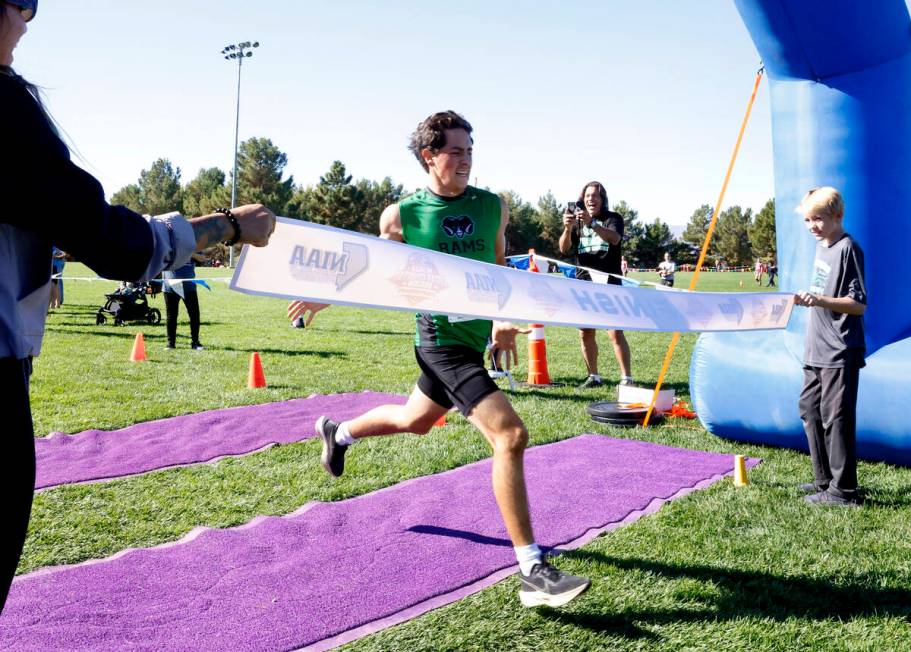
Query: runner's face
{"points": [[450, 167], [592, 200], [12, 27]]}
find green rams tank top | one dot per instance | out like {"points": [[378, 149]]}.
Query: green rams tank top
{"points": [[464, 226]]}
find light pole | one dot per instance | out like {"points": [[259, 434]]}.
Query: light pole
{"points": [[237, 51]]}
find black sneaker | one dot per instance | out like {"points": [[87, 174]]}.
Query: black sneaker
{"points": [[196, 346], [333, 457], [170, 345], [590, 383], [546, 585], [811, 488], [831, 500]]}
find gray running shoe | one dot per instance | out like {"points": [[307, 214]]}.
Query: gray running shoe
{"points": [[547, 586], [590, 383], [811, 488], [824, 498], [333, 456]]}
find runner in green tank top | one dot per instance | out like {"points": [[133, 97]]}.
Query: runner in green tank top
{"points": [[453, 217], [466, 226]]}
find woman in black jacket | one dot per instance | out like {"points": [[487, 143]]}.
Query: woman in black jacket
{"points": [[48, 201]]}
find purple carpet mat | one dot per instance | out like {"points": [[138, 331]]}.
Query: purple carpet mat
{"points": [[333, 572], [95, 455]]}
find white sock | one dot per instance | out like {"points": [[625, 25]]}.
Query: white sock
{"points": [[626, 378], [342, 436], [527, 556], [595, 376]]}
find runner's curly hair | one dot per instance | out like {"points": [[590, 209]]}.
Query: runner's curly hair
{"points": [[431, 133]]}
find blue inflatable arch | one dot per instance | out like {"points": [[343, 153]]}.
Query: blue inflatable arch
{"points": [[840, 87]]}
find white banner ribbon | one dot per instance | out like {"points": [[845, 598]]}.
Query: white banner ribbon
{"points": [[319, 263]]}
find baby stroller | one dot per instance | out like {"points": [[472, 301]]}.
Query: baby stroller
{"points": [[129, 302]]}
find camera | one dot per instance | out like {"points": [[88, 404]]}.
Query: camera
{"points": [[572, 206]]}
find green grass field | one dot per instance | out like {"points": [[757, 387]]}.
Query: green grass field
{"points": [[722, 569]]}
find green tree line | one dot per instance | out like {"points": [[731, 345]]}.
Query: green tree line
{"points": [[339, 200]]}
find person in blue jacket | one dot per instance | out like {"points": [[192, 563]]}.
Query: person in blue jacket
{"points": [[50, 202]]}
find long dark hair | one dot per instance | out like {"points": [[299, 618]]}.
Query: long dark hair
{"points": [[32, 90], [601, 191], [35, 92]]}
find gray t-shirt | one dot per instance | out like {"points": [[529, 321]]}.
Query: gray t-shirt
{"points": [[835, 339]]}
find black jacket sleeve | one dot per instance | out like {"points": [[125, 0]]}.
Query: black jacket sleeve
{"points": [[44, 192]]}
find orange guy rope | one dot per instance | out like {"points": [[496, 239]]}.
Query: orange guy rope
{"points": [[705, 244]]}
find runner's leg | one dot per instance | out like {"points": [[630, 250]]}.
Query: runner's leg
{"points": [[495, 417], [417, 416]]}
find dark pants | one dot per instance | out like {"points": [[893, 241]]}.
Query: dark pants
{"points": [[17, 482], [828, 408], [172, 305]]}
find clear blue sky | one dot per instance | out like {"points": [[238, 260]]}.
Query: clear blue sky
{"points": [[645, 95]]}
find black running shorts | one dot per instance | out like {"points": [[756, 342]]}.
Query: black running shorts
{"points": [[453, 375]]}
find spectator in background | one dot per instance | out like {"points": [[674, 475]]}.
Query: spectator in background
{"points": [[834, 351], [58, 261], [773, 272], [174, 292], [594, 233], [624, 266], [757, 272], [666, 270]]}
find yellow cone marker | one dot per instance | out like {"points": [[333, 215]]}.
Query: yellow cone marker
{"points": [[740, 471]]}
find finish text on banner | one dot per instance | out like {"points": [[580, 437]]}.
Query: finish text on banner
{"points": [[319, 263]]}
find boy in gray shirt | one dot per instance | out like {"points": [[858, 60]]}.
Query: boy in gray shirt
{"points": [[833, 352]]}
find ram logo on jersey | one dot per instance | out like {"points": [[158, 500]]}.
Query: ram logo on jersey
{"points": [[458, 226]]}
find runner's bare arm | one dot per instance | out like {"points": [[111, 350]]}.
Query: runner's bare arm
{"points": [[391, 224], [503, 335], [500, 245]]}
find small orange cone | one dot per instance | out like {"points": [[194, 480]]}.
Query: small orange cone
{"points": [[537, 356], [138, 354], [255, 377], [740, 471], [440, 422]]}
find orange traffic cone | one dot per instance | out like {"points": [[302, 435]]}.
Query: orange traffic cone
{"points": [[537, 356], [532, 266], [440, 422], [138, 354], [255, 377]]}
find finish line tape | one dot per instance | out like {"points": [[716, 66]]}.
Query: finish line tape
{"points": [[319, 263]]}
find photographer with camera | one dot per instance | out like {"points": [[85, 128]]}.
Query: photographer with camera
{"points": [[593, 233]]}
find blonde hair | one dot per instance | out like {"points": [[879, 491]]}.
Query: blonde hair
{"points": [[826, 200]]}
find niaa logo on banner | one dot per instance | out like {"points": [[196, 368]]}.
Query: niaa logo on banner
{"points": [[329, 267], [490, 288]]}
